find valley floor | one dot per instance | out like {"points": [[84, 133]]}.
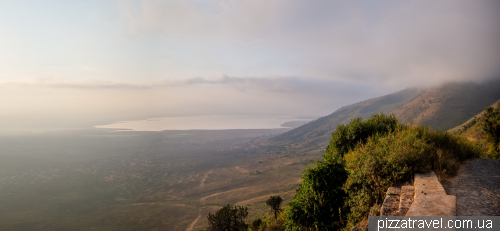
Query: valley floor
{"points": [[98, 180]]}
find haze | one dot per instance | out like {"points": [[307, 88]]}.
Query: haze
{"points": [[74, 64]]}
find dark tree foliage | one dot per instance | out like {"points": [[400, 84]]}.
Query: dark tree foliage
{"points": [[319, 199], [256, 224], [228, 218], [364, 158], [347, 136], [275, 203], [492, 124]]}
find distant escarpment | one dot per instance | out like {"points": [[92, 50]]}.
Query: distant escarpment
{"points": [[449, 105], [442, 107], [315, 135]]}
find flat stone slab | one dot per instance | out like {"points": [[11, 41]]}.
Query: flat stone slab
{"points": [[430, 197]]}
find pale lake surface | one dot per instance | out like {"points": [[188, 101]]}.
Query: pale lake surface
{"points": [[214, 122]]}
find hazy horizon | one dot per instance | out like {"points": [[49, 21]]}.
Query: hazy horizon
{"points": [[214, 122]]}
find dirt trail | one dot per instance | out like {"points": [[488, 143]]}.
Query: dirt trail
{"points": [[477, 188], [190, 228], [202, 200]]}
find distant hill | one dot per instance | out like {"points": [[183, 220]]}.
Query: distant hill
{"points": [[442, 107], [449, 105], [315, 135]]}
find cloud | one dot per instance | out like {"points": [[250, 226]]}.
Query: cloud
{"points": [[395, 44], [310, 87], [207, 57]]}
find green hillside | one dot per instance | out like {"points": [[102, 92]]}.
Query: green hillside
{"points": [[473, 128], [442, 107], [450, 105], [315, 135]]}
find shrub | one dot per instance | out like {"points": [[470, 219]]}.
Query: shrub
{"points": [[379, 164], [270, 223], [320, 198], [491, 125], [346, 137], [228, 218], [363, 160], [256, 224], [387, 160]]}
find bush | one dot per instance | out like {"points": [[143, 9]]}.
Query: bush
{"points": [[491, 125], [320, 198], [270, 223], [346, 137], [256, 224], [228, 218], [388, 160], [363, 160]]}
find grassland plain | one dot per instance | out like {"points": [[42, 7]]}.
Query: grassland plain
{"points": [[97, 180]]}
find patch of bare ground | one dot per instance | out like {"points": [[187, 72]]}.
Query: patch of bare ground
{"points": [[242, 170], [477, 188]]}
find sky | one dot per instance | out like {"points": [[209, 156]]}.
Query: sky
{"points": [[70, 64]]}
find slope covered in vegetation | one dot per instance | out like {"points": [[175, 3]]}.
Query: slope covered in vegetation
{"points": [[442, 107], [365, 158], [449, 105], [473, 128], [483, 128], [314, 136]]}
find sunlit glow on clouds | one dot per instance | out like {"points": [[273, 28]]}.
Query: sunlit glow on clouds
{"points": [[83, 63]]}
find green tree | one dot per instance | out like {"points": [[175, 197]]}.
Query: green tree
{"points": [[320, 198], [256, 224], [275, 203], [228, 218]]}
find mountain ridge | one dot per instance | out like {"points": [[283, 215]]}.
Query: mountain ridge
{"points": [[450, 104], [442, 107], [313, 136]]}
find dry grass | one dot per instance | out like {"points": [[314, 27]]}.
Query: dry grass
{"points": [[449, 105]]}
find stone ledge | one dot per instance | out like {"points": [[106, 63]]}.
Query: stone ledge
{"points": [[430, 198]]}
